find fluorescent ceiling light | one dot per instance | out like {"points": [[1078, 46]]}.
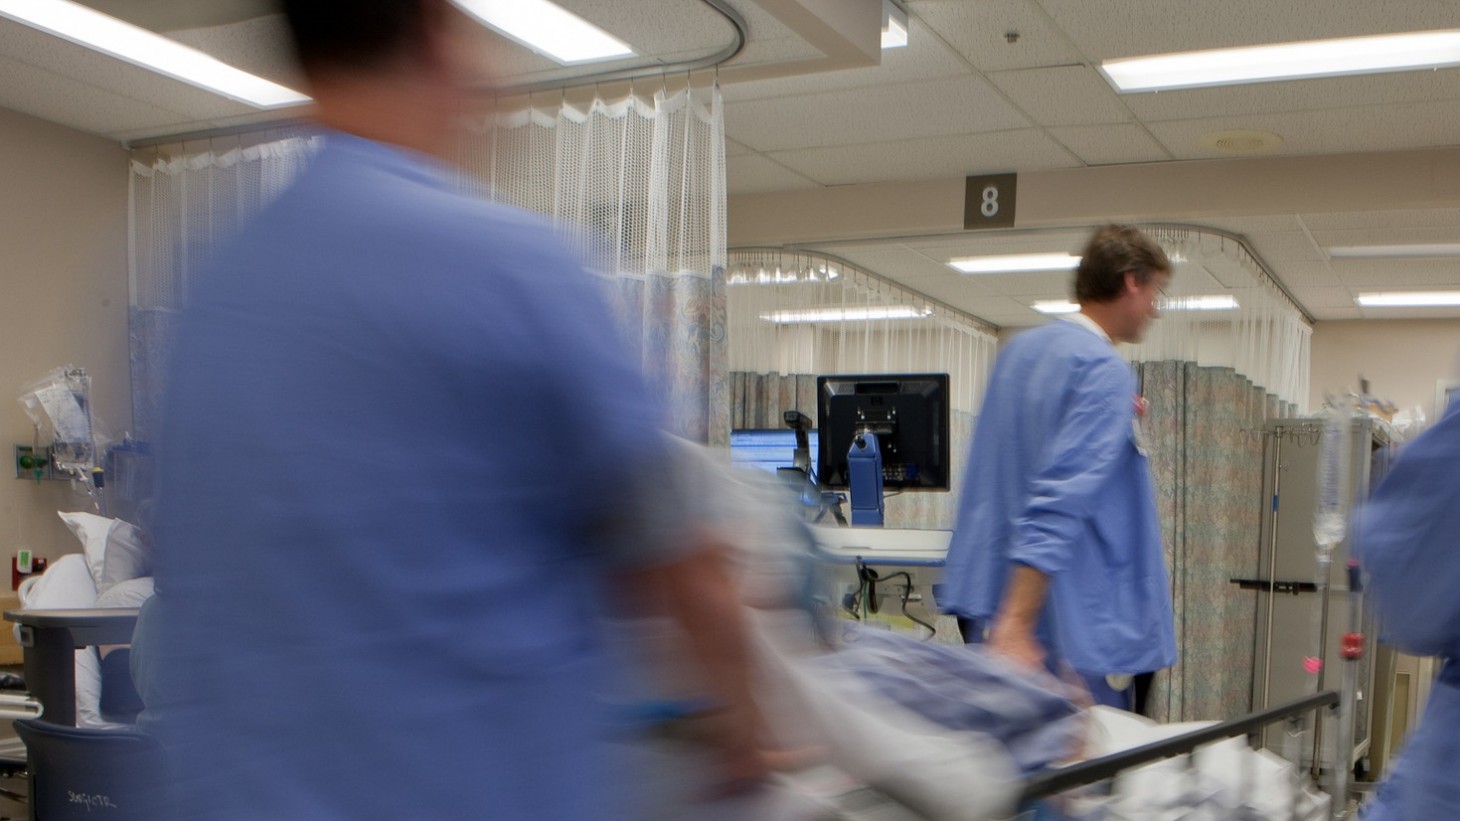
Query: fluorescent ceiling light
{"points": [[1055, 306], [894, 25], [547, 29], [1015, 263], [140, 47], [846, 314], [1410, 299], [1381, 251], [1216, 302], [1285, 61]]}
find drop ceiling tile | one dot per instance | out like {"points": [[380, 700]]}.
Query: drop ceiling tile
{"points": [[1361, 220], [931, 158], [1251, 226], [977, 30], [1375, 128], [1326, 298], [985, 243], [900, 112], [1401, 275], [1062, 95], [734, 149], [1110, 144], [77, 104], [754, 174], [1282, 247], [1037, 284], [1297, 276], [1337, 314], [925, 58], [1392, 235]]}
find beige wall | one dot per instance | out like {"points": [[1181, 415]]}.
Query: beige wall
{"points": [[63, 235], [1402, 359]]}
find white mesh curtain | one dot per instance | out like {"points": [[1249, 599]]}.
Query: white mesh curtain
{"points": [[792, 316], [637, 185], [1264, 338], [183, 200]]}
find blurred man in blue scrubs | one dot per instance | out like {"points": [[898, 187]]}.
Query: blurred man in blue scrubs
{"points": [[1057, 556], [1408, 537], [406, 462]]}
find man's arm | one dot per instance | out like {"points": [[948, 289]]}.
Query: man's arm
{"points": [[697, 592], [1082, 459], [1012, 632]]}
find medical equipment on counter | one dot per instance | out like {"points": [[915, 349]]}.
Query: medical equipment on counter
{"points": [[882, 431]]}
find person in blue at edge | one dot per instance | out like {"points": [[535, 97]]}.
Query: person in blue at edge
{"points": [[1056, 559], [1407, 536], [405, 466]]}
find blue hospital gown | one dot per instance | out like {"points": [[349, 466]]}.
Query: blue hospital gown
{"points": [[1408, 536], [400, 434], [1056, 480]]}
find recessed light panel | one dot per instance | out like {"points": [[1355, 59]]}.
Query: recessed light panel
{"points": [[140, 47], [1285, 61], [1410, 299], [846, 314], [548, 29], [1015, 263]]}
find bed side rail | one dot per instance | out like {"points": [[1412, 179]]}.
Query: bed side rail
{"points": [[1096, 770]]}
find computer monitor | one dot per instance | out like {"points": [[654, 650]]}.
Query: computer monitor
{"points": [[766, 449], [909, 414]]}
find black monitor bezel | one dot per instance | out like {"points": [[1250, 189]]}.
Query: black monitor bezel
{"points": [[831, 460]]}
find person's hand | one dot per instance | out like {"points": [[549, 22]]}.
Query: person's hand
{"points": [[1016, 643], [745, 759]]}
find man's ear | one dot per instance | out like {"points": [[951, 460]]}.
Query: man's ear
{"points": [[1132, 283]]}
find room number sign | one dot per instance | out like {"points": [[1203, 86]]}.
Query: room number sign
{"points": [[988, 201]]}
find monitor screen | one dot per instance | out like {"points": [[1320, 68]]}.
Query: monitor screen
{"points": [[909, 414], [767, 449]]}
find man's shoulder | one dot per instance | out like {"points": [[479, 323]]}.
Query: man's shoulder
{"points": [[1061, 338]]}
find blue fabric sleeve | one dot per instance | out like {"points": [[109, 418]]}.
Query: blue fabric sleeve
{"points": [[1094, 428], [1408, 535]]}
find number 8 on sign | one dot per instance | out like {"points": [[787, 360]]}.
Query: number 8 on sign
{"points": [[990, 206]]}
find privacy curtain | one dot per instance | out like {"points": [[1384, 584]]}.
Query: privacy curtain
{"points": [[793, 316], [1212, 378], [184, 199], [1203, 432], [636, 185]]}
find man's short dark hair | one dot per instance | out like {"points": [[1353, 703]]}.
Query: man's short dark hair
{"points": [[1113, 252], [352, 33]]}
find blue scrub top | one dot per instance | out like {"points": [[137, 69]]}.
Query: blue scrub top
{"points": [[403, 448], [1057, 480], [1408, 540]]}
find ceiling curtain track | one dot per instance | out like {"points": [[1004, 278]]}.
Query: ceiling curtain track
{"points": [[1263, 337], [723, 55]]}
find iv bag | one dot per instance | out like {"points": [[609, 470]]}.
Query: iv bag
{"points": [[60, 406], [1335, 479]]}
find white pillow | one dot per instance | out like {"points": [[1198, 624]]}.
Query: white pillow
{"points": [[115, 550], [67, 585]]}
